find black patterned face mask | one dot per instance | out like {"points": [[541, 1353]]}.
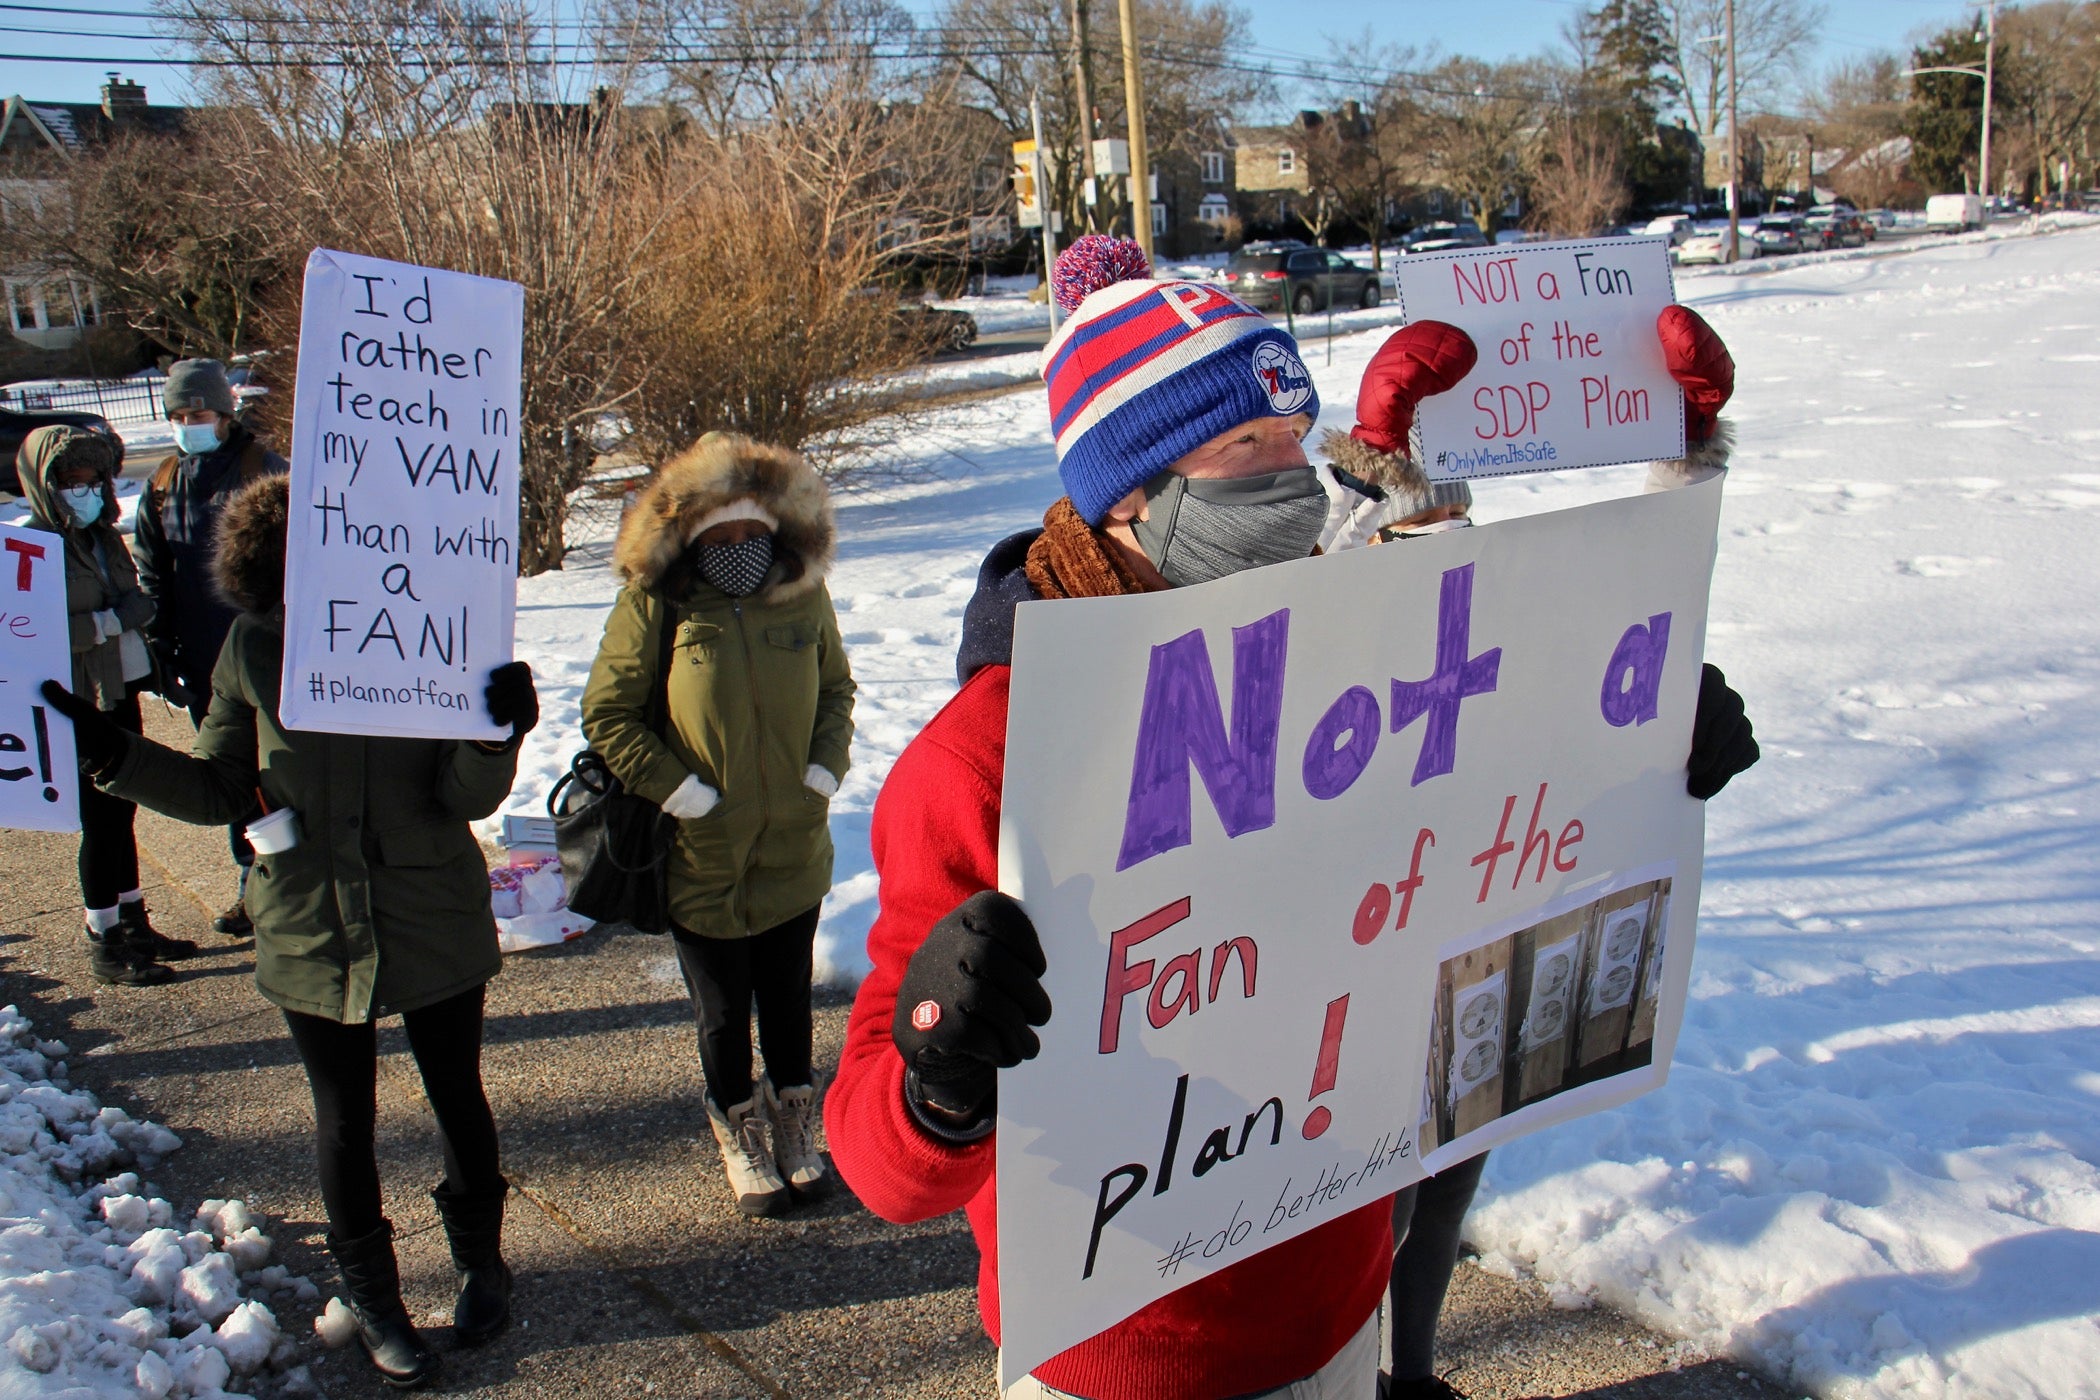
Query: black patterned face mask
{"points": [[737, 569]]}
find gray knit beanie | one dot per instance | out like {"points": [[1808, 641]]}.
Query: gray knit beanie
{"points": [[197, 384]]}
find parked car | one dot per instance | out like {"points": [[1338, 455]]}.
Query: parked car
{"points": [[1953, 213], [1836, 229], [1882, 219], [1711, 246], [1676, 227], [932, 328], [1787, 233], [16, 425], [1443, 236], [1271, 276]]}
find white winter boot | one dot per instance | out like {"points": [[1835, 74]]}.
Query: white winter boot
{"points": [[794, 1115], [747, 1158]]}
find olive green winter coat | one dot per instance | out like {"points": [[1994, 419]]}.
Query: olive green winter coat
{"points": [[759, 688], [383, 905]]}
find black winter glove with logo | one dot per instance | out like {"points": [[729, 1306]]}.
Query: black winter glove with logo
{"points": [[1722, 744], [965, 1009]]}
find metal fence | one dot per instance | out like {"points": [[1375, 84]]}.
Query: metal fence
{"points": [[117, 399]]}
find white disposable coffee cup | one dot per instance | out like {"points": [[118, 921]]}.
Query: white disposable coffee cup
{"points": [[276, 833]]}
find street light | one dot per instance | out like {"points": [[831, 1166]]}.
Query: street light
{"points": [[1990, 54]]}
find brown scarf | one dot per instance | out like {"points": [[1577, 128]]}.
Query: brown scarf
{"points": [[1072, 559]]}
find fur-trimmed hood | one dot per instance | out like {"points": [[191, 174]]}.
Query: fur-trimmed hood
{"points": [[247, 566], [719, 469]]}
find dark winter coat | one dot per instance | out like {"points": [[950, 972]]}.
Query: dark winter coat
{"points": [[759, 688], [384, 903], [100, 576], [174, 533]]}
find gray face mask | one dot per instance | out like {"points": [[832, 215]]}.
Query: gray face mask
{"points": [[1196, 530]]}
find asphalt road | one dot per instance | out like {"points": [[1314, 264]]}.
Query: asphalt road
{"points": [[635, 1274]]}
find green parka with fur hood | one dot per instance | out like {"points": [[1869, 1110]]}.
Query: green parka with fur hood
{"points": [[384, 903], [759, 688], [100, 577]]}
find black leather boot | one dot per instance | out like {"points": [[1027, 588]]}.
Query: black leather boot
{"points": [[147, 940], [114, 961], [398, 1352], [474, 1225]]}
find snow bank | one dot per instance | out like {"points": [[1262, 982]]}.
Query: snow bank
{"points": [[100, 1293]]}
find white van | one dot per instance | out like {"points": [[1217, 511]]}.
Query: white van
{"points": [[1953, 213]]}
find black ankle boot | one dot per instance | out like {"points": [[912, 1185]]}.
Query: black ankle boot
{"points": [[147, 940], [474, 1225], [114, 961], [398, 1352]]}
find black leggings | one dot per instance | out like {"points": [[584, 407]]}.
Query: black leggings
{"points": [[342, 1064], [109, 848], [724, 976], [1426, 1221]]}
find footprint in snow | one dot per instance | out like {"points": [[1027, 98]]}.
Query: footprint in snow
{"points": [[1942, 565]]}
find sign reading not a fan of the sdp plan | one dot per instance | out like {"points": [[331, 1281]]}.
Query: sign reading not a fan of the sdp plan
{"points": [[401, 584], [1570, 372]]}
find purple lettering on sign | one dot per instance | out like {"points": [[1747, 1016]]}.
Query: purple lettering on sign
{"points": [[1182, 723], [1331, 768], [1456, 678], [1633, 680]]}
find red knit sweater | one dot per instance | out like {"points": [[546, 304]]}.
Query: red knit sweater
{"points": [[1261, 1323]]}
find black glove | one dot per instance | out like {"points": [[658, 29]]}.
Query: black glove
{"points": [[1722, 744], [167, 678], [512, 699], [966, 1003], [96, 739]]}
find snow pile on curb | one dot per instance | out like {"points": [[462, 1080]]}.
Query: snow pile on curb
{"points": [[100, 1293]]}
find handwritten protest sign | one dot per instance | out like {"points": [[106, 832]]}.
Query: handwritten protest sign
{"points": [[401, 583], [1570, 371], [1333, 893], [39, 779]]}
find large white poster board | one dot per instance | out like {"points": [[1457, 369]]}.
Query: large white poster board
{"points": [[1570, 372], [401, 579], [39, 779], [1342, 868]]}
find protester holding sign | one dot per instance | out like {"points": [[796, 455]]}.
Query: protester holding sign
{"points": [[370, 897], [178, 518], [725, 629], [1178, 414], [66, 478]]}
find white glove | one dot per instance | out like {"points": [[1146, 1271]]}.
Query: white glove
{"points": [[693, 800], [817, 778], [107, 625]]}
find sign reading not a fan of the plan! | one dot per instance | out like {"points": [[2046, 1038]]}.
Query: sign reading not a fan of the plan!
{"points": [[1332, 897], [401, 582], [39, 782], [1570, 373]]}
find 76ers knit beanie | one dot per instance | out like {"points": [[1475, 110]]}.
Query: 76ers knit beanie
{"points": [[1143, 372]]}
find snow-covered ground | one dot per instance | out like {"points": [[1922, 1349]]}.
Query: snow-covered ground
{"points": [[1876, 1168], [101, 1294]]}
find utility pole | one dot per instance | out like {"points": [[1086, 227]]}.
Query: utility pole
{"points": [[1042, 196], [1082, 67], [1990, 54], [1735, 152], [1140, 159]]}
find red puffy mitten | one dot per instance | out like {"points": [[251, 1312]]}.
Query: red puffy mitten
{"points": [[1700, 364], [1416, 361]]}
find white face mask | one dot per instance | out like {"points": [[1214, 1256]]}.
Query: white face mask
{"points": [[83, 503], [193, 439]]}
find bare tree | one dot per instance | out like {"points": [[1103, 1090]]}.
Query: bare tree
{"points": [[1369, 172], [1471, 131], [1773, 40], [1578, 186], [1860, 107], [2049, 76]]}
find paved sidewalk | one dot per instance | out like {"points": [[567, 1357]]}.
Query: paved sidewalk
{"points": [[635, 1274]]}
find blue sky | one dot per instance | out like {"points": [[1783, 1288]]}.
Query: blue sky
{"points": [[1491, 29]]}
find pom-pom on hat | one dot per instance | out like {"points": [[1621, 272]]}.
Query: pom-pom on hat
{"points": [[1144, 372]]}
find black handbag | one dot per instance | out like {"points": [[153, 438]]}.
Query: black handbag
{"points": [[615, 847]]}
